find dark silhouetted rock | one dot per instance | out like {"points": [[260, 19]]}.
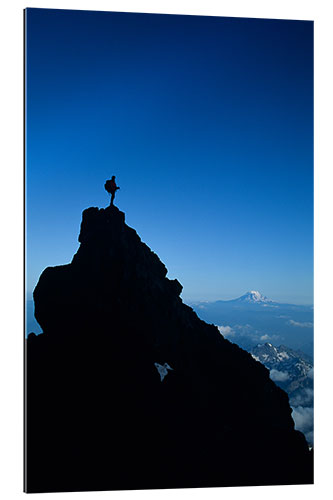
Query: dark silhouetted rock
{"points": [[100, 415]]}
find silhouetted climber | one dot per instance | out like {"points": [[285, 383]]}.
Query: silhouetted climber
{"points": [[111, 187]]}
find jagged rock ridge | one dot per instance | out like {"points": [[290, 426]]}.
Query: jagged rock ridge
{"points": [[100, 415]]}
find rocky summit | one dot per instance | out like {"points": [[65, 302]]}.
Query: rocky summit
{"points": [[126, 388]]}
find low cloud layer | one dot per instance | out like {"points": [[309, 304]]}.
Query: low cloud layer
{"points": [[278, 376], [303, 418], [256, 336], [226, 331], [303, 398], [306, 324]]}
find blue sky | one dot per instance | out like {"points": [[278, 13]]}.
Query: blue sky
{"points": [[207, 124]]}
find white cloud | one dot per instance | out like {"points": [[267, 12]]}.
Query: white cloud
{"points": [[226, 331], [265, 338], [305, 324], [248, 331], [303, 418], [244, 328], [310, 373], [278, 376], [302, 398]]}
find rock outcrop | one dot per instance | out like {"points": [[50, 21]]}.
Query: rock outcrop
{"points": [[128, 389]]}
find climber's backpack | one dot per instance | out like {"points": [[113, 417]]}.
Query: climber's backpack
{"points": [[108, 186]]}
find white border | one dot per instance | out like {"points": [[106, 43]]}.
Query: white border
{"points": [[11, 185]]}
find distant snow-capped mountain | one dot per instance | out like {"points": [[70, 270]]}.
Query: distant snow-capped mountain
{"points": [[252, 296], [253, 318]]}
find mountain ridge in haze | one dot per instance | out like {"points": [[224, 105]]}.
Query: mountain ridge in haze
{"points": [[251, 296], [254, 318]]}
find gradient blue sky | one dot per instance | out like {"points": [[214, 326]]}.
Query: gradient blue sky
{"points": [[207, 124]]}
